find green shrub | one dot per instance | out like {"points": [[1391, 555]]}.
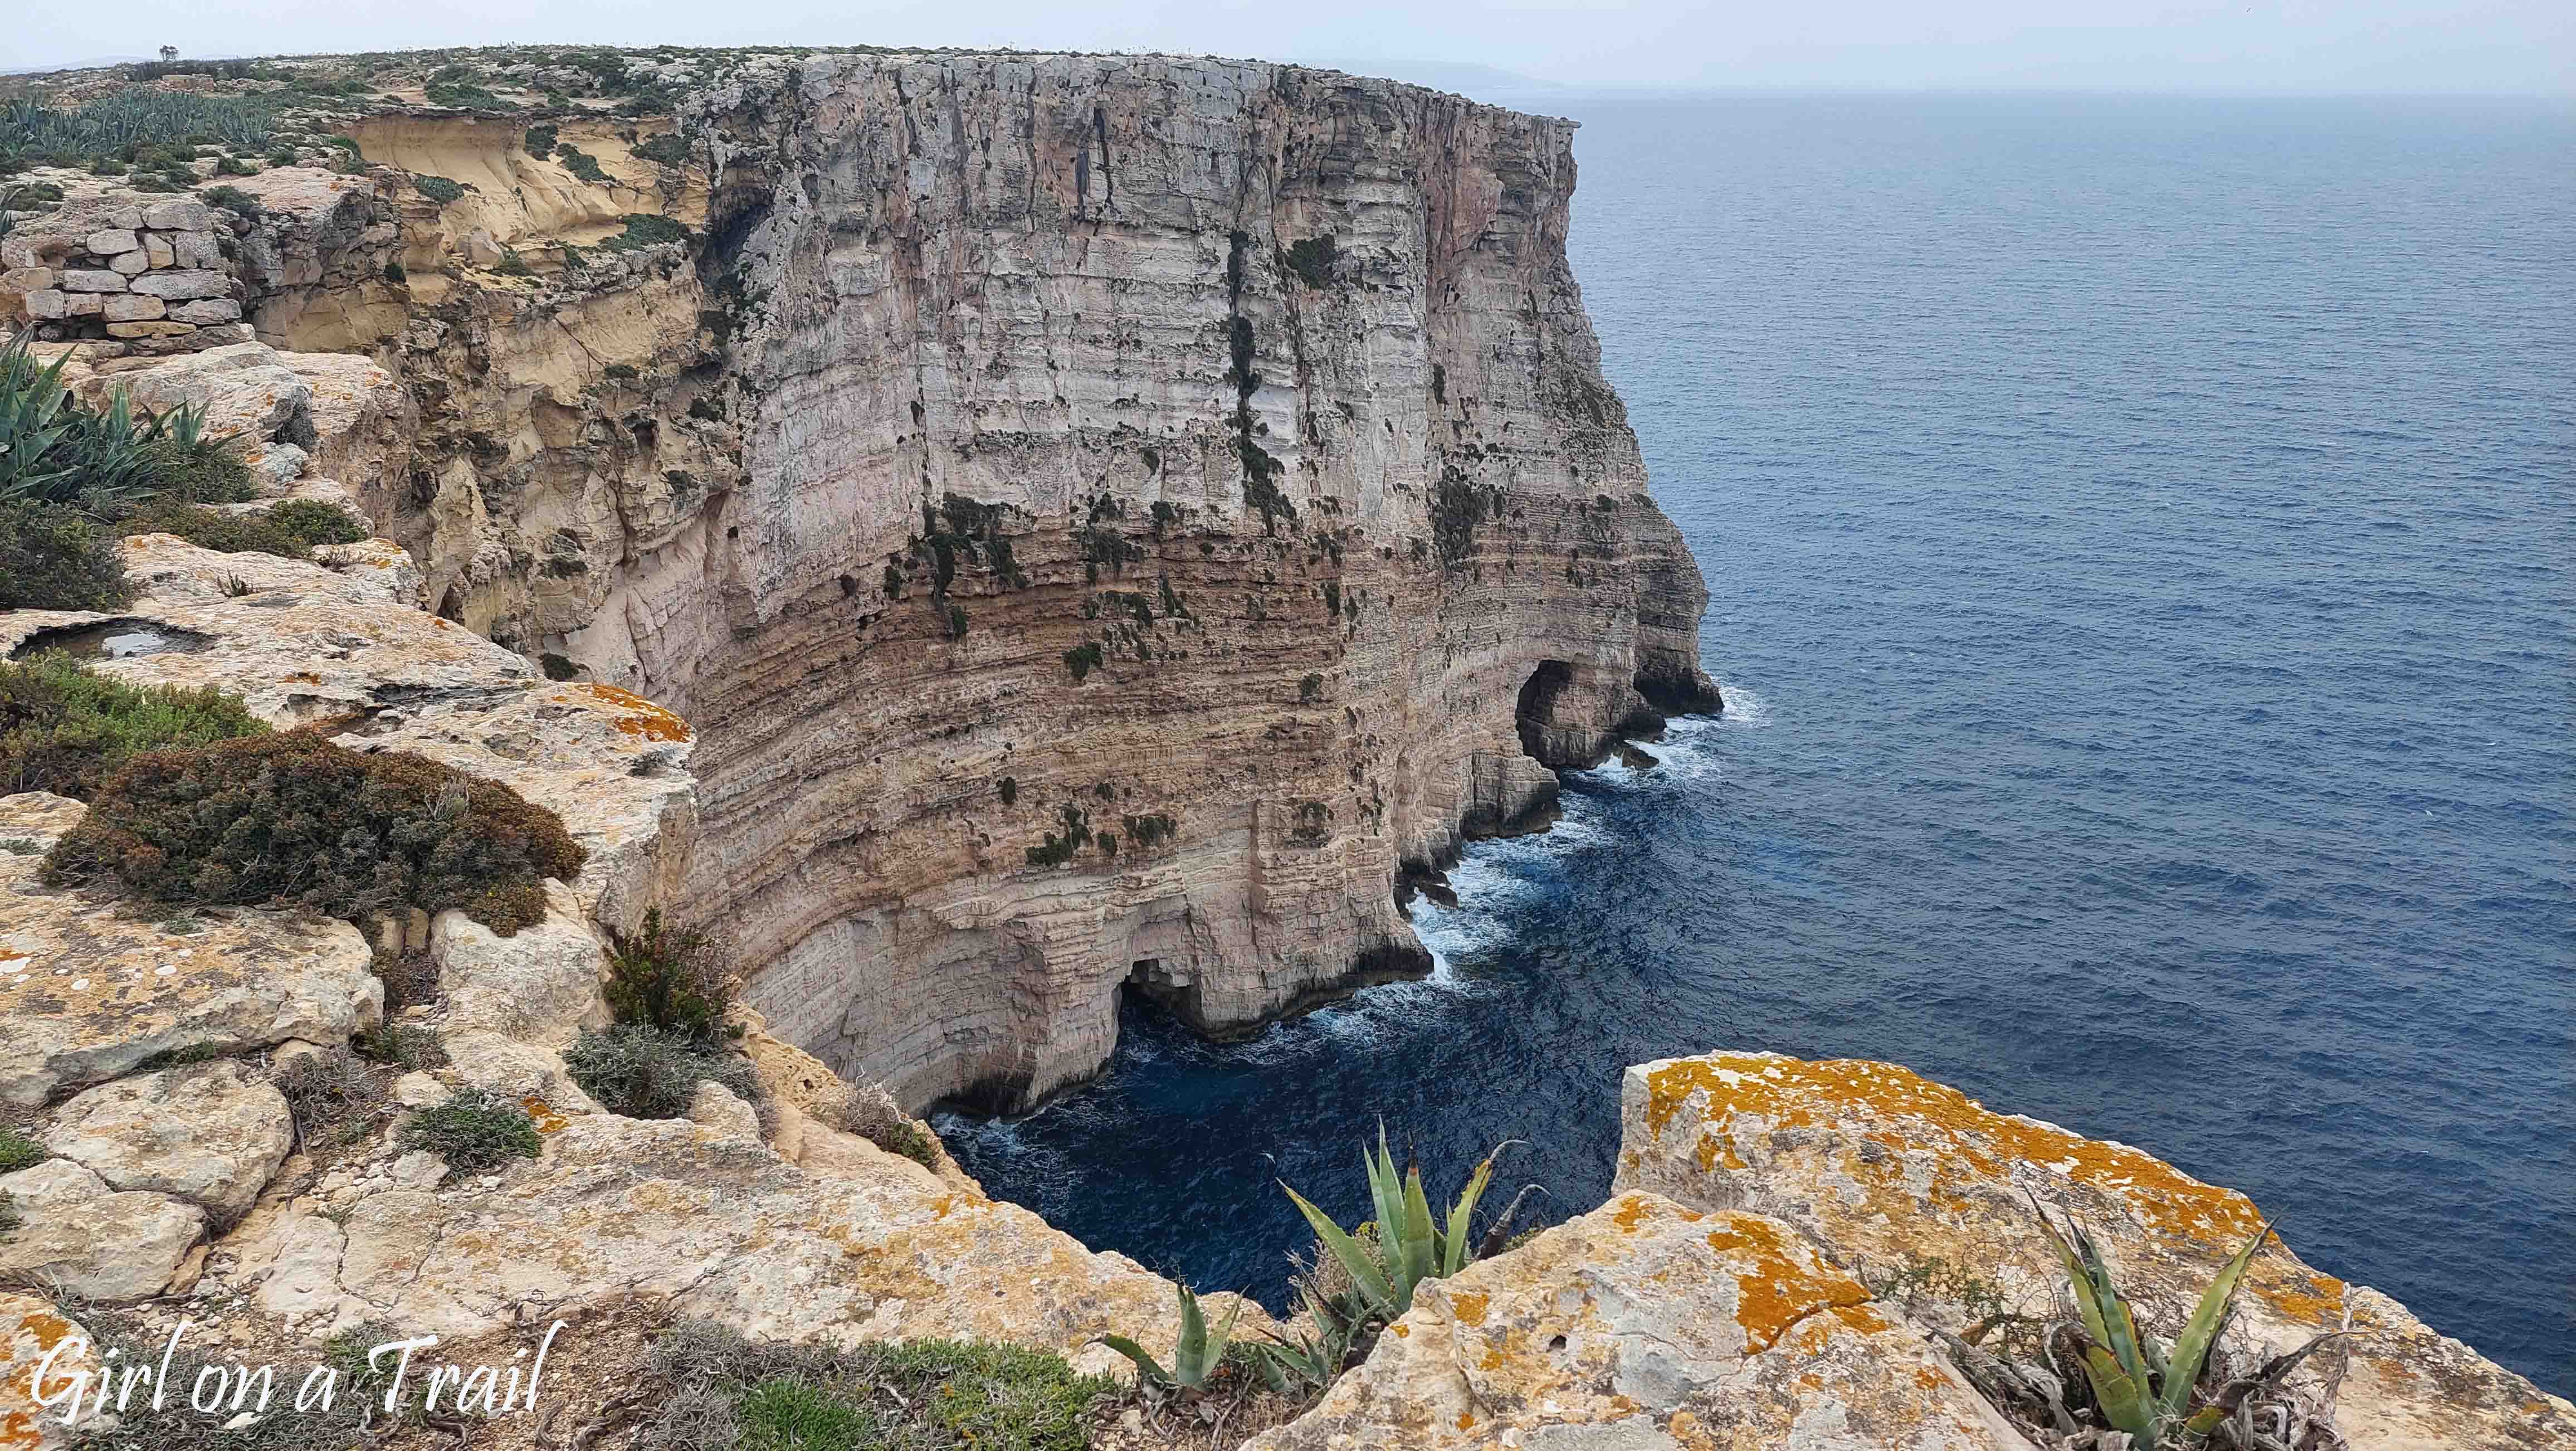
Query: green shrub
{"points": [[57, 558], [65, 730], [8, 1214], [297, 819], [107, 460], [438, 188], [1311, 258], [645, 230], [1083, 659], [289, 530], [915, 1395], [235, 200], [513, 265], [474, 1131], [130, 118], [674, 979], [540, 140], [580, 163], [647, 1072], [1059, 848], [667, 149], [17, 1151]]}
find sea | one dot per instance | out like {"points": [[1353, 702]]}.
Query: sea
{"points": [[2141, 546]]}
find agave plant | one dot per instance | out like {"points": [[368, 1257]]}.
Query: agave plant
{"points": [[1194, 1359], [2155, 1393], [36, 416], [1412, 1246]]}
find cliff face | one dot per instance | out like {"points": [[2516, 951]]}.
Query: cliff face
{"points": [[1170, 496]]}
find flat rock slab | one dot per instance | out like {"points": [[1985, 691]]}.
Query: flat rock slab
{"points": [[1645, 1326], [91, 986], [730, 1232], [77, 1235], [1887, 1170], [210, 1133]]}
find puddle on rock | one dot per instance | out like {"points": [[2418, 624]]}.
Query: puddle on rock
{"points": [[115, 640]]}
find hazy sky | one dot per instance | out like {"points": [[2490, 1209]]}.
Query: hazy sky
{"points": [[2161, 45]]}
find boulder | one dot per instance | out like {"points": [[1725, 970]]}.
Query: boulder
{"points": [[90, 992], [210, 1133], [715, 1107], [245, 389], [1886, 1171], [1646, 1326], [76, 1235], [540, 985]]}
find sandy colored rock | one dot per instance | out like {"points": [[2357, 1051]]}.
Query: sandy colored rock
{"points": [[715, 1107], [730, 1232], [540, 984], [157, 251], [184, 282], [87, 279], [131, 263], [132, 309], [35, 1335], [209, 1133], [1645, 1326], [90, 991], [1883, 1169], [109, 243], [161, 329], [179, 216], [75, 1234]]}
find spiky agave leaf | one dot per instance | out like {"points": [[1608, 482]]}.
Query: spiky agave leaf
{"points": [[1201, 1350], [2191, 1348], [1454, 1245], [2123, 1401], [1366, 1276], [1147, 1367]]}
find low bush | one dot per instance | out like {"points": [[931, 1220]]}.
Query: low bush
{"points": [[289, 530], [65, 730], [17, 1151], [296, 819], [645, 230], [667, 149], [53, 557], [870, 1112], [581, 163], [918, 1395], [438, 188], [645, 1072], [474, 1131], [676, 979], [335, 1097]]}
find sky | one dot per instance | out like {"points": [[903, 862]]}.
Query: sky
{"points": [[2224, 46]]}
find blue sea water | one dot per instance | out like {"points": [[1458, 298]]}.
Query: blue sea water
{"points": [[2141, 537]]}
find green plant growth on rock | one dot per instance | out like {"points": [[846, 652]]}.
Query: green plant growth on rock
{"points": [[288, 530], [65, 730], [438, 188], [540, 140], [2104, 1374], [647, 1072], [675, 979], [1311, 258], [667, 149], [581, 163], [643, 229], [297, 819], [335, 1097], [17, 1151], [712, 1390], [1378, 1273], [1083, 659], [1196, 1357], [53, 557], [1060, 847], [474, 1131]]}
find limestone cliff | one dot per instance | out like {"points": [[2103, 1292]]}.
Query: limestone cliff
{"points": [[1105, 516]]}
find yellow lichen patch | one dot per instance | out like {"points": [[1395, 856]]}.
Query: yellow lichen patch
{"points": [[1402, 1331], [1773, 1291], [2309, 1306], [1632, 1212], [1466, 1420], [548, 1121], [47, 1330], [648, 720], [1469, 1307], [1882, 1098]]}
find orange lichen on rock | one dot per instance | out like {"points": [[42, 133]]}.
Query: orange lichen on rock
{"points": [[1774, 1291], [1788, 1093], [1469, 1307], [646, 719], [548, 1121]]}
